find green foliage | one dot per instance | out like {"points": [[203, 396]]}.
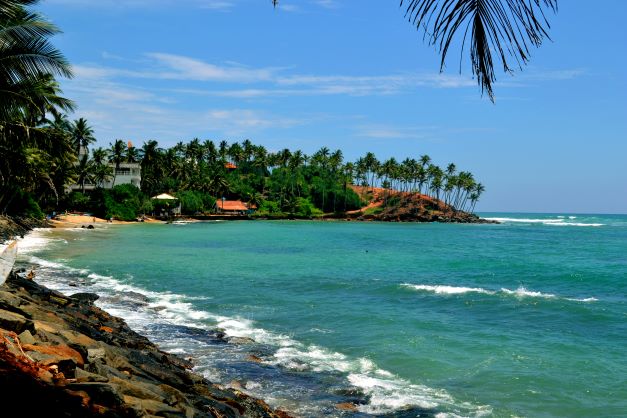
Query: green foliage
{"points": [[195, 202], [191, 202], [78, 201], [23, 204], [373, 211], [305, 208], [269, 207], [124, 202]]}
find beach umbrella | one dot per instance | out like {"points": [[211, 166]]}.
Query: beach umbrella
{"points": [[164, 196]]}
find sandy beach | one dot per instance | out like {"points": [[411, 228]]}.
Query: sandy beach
{"points": [[76, 221]]}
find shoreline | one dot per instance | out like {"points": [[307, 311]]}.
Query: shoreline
{"points": [[86, 362], [251, 355]]}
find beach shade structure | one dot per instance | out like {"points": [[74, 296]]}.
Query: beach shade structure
{"points": [[164, 196], [165, 201]]}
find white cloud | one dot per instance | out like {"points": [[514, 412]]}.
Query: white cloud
{"points": [[328, 4], [186, 68], [394, 132], [282, 82], [218, 5]]}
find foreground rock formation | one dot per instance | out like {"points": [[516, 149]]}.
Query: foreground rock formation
{"points": [[12, 227], [61, 356]]}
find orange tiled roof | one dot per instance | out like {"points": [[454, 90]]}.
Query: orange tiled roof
{"points": [[230, 166], [234, 205]]}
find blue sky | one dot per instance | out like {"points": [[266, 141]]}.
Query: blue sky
{"points": [[355, 75]]}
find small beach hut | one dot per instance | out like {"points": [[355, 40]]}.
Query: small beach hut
{"points": [[167, 202]]}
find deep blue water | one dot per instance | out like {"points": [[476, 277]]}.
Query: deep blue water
{"points": [[525, 318]]}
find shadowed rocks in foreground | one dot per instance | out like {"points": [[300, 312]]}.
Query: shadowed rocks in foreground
{"points": [[60, 356]]}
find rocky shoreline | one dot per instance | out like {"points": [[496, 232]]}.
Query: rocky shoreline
{"points": [[61, 356], [12, 227]]}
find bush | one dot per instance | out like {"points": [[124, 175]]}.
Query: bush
{"points": [[191, 202], [79, 201], [122, 202], [268, 207], [24, 205], [304, 207]]}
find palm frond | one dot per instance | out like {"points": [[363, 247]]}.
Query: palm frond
{"points": [[506, 28], [10, 7], [38, 56]]}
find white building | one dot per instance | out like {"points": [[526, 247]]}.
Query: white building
{"points": [[127, 173]]}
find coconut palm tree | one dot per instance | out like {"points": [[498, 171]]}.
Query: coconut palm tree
{"points": [[85, 171], [506, 28], [26, 55], [132, 154], [117, 155], [82, 135]]}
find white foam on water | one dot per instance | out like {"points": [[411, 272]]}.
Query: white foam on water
{"points": [[386, 391], [241, 327], [559, 221], [591, 299], [528, 220], [520, 292], [575, 224], [448, 290], [393, 394], [36, 240]]}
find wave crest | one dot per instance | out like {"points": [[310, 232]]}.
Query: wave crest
{"points": [[520, 292]]}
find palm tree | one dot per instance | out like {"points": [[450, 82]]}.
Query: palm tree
{"points": [[388, 171], [26, 56], [475, 195], [117, 155], [223, 150], [506, 28], [372, 166], [82, 135], [101, 170], [85, 171]]}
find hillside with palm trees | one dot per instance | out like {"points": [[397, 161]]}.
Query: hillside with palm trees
{"points": [[45, 154], [285, 183]]}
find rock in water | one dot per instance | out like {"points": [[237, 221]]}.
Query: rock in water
{"points": [[85, 297]]}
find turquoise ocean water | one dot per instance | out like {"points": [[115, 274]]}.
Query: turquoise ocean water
{"points": [[525, 318]]}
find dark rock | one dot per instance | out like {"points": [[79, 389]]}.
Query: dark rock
{"points": [[26, 338], [14, 322], [87, 363], [240, 340], [101, 393], [84, 376], [85, 297]]}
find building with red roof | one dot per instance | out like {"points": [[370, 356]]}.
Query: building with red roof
{"points": [[231, 207]]}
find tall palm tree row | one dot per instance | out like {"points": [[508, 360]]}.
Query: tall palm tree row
{"points": [[287, 175]]}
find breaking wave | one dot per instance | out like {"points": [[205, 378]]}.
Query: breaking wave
{"points": [[520, 292], [558, 221]]}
